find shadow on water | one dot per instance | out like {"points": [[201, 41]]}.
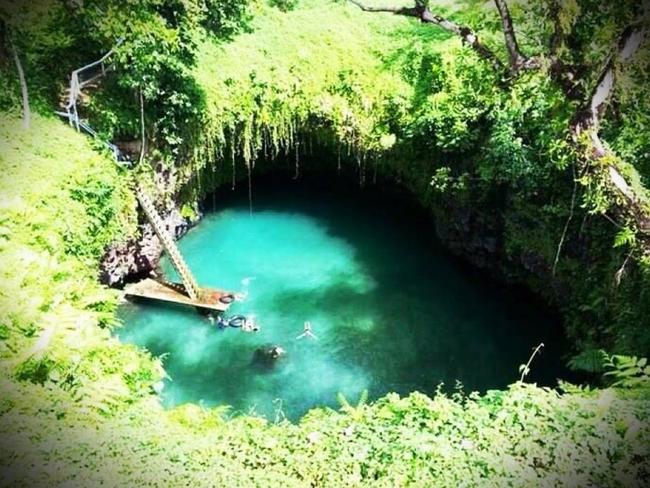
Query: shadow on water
{"points": [[392, 310]]}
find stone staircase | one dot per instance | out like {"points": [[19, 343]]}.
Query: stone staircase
{"points": [[191, 287]]}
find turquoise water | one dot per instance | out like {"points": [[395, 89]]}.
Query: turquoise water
{"points": [[390, 309]]}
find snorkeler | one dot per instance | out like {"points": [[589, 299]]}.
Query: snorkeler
{"points": [[247, 324], [307, 331], [220, 322], [266, 357], [250, 324]]}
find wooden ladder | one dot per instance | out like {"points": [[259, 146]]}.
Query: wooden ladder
{"points": [[191, 287]]}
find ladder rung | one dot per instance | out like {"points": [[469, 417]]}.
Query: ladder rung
{"points": [[162, 232]]}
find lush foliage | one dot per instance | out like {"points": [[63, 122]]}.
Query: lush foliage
{"points": [[525, 436], [78, 407], [408, 100], [62, 203], [155, 42]]}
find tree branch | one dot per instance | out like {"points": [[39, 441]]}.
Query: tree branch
{"points": [[411, 12], [421, 11], [588, 118], [628, 43], [517, 60]]}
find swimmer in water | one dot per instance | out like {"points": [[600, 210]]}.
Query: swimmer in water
{"points": [[266, 357], [307, 331], [219, 321], [222, 323], [250, 324]]}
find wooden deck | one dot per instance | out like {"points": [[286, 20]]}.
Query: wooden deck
{"points": [[175, 293]]}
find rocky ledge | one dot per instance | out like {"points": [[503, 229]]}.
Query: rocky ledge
{"points": [[138, 257]]}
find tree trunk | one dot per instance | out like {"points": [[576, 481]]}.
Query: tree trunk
{"points": [[517, 60], [23, 88], [588, 119]]}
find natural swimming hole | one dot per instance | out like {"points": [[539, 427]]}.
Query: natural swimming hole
{"points": [[390, 309]]}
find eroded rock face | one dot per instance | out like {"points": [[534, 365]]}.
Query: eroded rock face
{"points": [[473, 235], [138, 257], [476, 235]]}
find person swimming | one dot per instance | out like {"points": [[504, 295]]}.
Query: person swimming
{"points": [[250, 324], [247, 324], [266, 357], [218, 321], [306, 332]]}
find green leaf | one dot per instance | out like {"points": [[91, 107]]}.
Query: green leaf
{"points": [[591, 361], [625, 237]]}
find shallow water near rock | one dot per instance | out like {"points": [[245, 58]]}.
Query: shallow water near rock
{"points": [[392, 311]]}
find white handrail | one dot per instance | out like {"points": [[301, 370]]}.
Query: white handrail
{"points": [[72, 113], [76, 86]]}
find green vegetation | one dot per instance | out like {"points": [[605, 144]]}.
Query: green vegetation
{"points": [[408, 100], [224, 80], [55, 316], [155, 45]]}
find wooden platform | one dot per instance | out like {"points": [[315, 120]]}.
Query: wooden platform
{"points": [[175, 293]]}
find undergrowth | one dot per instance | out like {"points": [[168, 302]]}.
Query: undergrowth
{"points": [[79, 407]]}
